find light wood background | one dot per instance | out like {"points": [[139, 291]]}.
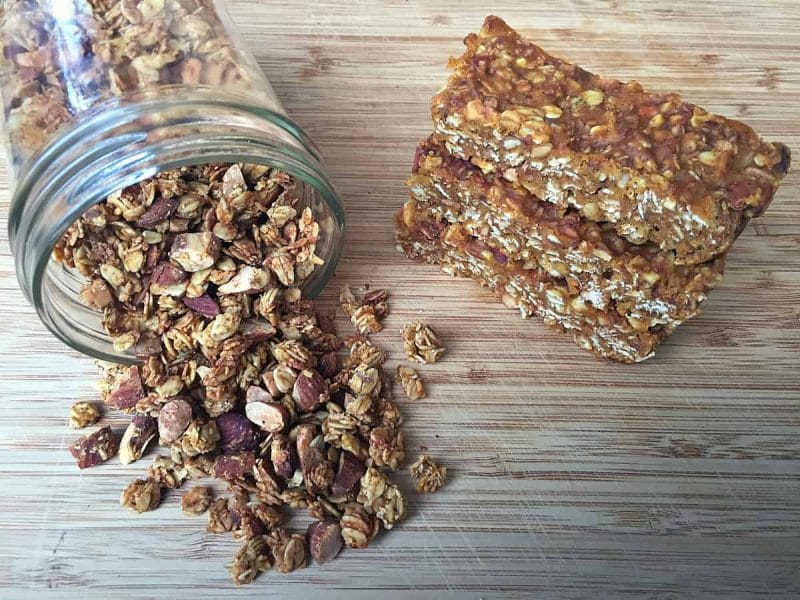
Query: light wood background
{"points": [[570, 477]]}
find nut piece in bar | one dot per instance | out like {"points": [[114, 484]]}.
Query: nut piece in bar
{"points": [[657, 167]]}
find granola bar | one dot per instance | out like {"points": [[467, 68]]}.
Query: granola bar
{"points": [[659, 168], [606, 333], [642, 281]]}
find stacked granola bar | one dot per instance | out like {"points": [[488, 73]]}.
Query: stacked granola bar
{"points": [[605, 209]]}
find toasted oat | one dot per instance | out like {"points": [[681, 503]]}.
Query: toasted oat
{"points": [[83, 414], [196, 501], [421, 343], [429, 475], [142, 495], [411, 383]]}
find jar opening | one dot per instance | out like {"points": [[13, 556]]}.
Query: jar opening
{"points": [[133, 142]]}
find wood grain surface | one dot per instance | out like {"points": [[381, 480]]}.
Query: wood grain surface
{"points": [[570, 477]]}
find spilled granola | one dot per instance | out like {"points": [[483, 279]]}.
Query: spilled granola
{"points": [[429, 475], [197, 274]]}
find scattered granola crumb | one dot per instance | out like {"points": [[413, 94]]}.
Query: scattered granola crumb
{"points": [[196, 501], [251, 559], [289, 551], [429, 475], [421, 343], [141, 495], [368, 313], [220, 517], [411, 383], [83, 414]]}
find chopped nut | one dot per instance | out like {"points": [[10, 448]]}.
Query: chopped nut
{"points": [[421, 343], [196, 501], [234, 466], [82, 414], [94, 448], [430, 476], [141, 495], [269, 416], [138, 435], [350, 471], [324, 540], [310, 390], [236, 433], [283, 456], [410, 382], [195, 251], [173, 419]]}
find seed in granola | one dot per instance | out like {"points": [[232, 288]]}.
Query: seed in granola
{"points": [[429, 475], [140, 432], [289, 551], [196, 501], [411, 383], [94, 448], [83, 414], [324, 540], [141, 495], [251, 559], [358, 527], [421, 343]]}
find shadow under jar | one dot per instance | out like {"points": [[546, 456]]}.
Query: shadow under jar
{"points": [[99, 95]]}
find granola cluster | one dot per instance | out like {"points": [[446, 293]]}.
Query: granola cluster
{"points": [[57, 64], [197, 274]]}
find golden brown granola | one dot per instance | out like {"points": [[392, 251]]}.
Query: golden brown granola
{"points": [[141, 495], [429, 475], [251, 559], [289, 551], [411, 383], [421, 343], [83, 414], [196, 501], [358, 526]]}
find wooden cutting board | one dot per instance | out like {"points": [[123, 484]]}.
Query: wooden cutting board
{"points": [[570, 477]]}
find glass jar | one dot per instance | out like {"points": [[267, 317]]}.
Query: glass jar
{"points": [[101, 94]]}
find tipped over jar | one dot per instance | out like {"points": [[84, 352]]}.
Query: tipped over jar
{"points": [[106, 101]]}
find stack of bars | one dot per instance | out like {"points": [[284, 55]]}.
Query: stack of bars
{"points": [[602, 208]]}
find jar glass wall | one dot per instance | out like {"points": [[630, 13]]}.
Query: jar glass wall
{"points": [[101, 94]]}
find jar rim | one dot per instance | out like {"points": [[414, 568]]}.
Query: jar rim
{"points": [[105, 153]]}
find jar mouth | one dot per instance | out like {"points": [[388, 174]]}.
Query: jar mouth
{"points": [[120, 144]]}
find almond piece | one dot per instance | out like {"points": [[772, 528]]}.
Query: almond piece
{"points": [[173, 419], [324, 540], [269, 416]]}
